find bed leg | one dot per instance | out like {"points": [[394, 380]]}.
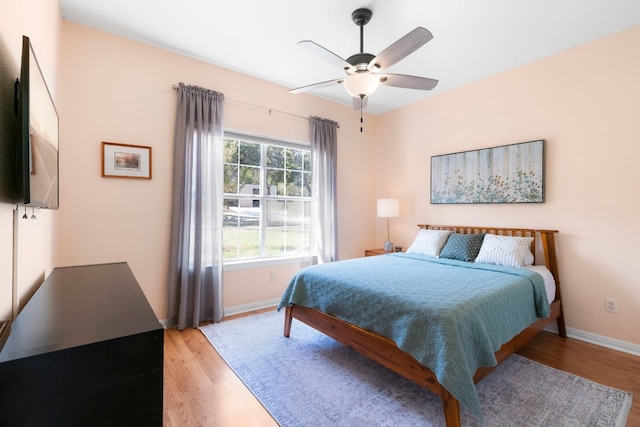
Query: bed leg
{"points": [[451, 408], [562, 330], [551, 261], [287, 321]]}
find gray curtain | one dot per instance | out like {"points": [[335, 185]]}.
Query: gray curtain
{"points": [[195, 262], [324, 154]]}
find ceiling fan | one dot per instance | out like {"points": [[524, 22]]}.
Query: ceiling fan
{"points": [[363, 70]]}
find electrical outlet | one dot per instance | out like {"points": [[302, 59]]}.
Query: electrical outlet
{"points": [[611, 305]]}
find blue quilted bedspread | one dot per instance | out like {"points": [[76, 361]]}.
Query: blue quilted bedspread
{"points": [[452, 316]]}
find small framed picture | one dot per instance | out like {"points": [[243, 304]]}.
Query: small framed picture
{"points": [[126, 161]]}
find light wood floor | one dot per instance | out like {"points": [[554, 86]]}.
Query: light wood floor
{"points": [[201, 390]]}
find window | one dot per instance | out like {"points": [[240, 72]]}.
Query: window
{"points": [[267, 198]]}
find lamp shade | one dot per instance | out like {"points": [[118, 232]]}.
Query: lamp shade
{"points": [[361, 84], [388, 208]]}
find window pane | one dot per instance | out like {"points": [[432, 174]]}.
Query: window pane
{"points": [[231, 179], [287, 227], [275, 182], [229, 204], [250, 153], [230, 151], [306, 160], [275, 157], [294, 183], [294, 159], [249, 179], [275, 224], [241, 229], [306, 185]]}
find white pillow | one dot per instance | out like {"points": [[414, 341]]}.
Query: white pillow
{"points": [[506, 250], [429, 242], [528, 258]]}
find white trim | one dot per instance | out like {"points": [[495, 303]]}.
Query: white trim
{"points": [[280, 142], [264, 262], [599, 340], [244, 308]]}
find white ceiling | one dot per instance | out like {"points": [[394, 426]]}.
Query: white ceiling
{"points": [[473, 39]]}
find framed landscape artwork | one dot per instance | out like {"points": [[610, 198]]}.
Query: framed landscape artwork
{"points": [[126, 161], [507, 174]]}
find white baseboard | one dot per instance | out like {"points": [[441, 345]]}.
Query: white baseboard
{"points": [[601, 340], [238, 309], [244, 308]]}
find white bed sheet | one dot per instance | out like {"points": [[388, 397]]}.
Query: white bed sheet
{"points": [[549, 281]]}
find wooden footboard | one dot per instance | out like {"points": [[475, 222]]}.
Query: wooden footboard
{"points": [[379, 349], [387, 353]]}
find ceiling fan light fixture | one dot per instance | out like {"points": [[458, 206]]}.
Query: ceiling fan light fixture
{"points": [[361, 84], [362, 78]]}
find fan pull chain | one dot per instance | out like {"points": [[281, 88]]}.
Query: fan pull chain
{"points": [[361, 102]]}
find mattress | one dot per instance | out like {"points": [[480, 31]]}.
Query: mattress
{"points": [[549, 281]]}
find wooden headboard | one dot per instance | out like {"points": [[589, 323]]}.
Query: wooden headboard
{"points": [[546, 236]]}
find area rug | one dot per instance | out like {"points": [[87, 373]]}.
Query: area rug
{"points": [[310, 379]]}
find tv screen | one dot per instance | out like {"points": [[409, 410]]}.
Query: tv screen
{"points": [[38, 179]]}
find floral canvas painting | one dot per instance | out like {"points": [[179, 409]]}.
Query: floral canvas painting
{"points": [[506, 174]]}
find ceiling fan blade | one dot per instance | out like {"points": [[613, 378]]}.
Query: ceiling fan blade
{"points": [[409, 82], [401, 48], [359, 103], [316, 86], [325, 54]]}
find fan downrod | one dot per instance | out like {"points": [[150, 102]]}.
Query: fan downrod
{"points": [[360, 60], [361, 17]]}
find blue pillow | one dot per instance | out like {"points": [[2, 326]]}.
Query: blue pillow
{"points": [[463, 247]]}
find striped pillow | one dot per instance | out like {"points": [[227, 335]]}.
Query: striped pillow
{"points": [[505, 250]]}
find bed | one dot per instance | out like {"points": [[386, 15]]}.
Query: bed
{"points": [[467, 327]]}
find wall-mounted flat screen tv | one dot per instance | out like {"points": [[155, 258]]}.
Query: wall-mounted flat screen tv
{"points": [[37, 151]]}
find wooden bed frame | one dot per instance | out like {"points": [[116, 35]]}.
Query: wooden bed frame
{"points": [[387, 353]]}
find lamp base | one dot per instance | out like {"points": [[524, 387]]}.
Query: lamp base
{"points": [[388, 246]]}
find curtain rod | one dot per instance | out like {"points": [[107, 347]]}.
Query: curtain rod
{"points": [[269, 109]]}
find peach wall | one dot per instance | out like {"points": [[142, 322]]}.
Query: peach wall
{"points": [[36, 240], [259, 285], [585, 103], [119, 90]]}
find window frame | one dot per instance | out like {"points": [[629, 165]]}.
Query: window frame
{"points": [[279, 142]]}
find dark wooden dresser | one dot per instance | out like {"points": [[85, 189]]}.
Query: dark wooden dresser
{"points": [[86, 350]]}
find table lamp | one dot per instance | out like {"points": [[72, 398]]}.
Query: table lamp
{"points": [[388, 208]]}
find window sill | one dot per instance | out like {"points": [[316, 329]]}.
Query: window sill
{"points": [[264, 262]]}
